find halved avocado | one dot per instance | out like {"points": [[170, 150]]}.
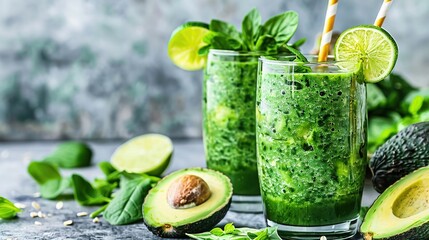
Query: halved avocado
{"points": [[402, 211], [164, 220]]}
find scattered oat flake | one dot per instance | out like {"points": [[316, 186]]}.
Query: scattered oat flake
{"points": [[323, 238], [20, 205], [35, 205], [81, 214], [33, 214], [59, 205], [41, 215], [68, 223], [36, 194], [37, 223], [96, 220]]}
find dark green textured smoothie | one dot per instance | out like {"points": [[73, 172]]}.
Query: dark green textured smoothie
{"points": [[229, 118], [311, 141]]}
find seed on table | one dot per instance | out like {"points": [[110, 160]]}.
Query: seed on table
{"points": [[36, 194], [81, 214], [20, 205], [33, 214], [59, 205], [68, 223], [35, 205], [37, 223], [96, 220], [41, 215], [323, 238]]}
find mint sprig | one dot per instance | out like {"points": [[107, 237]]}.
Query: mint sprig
{"points": [[231, 233], [7, 209], [270, 37]]}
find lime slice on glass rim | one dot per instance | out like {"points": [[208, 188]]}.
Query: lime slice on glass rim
{"points": [[149, 153], [368, 47], [184, 44]]}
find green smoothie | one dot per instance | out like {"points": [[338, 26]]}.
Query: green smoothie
{"points": [[311, 141], [229, 118]]}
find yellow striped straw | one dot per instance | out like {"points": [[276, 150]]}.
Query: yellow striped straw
{"points": [[327, 30], [382, 13]]}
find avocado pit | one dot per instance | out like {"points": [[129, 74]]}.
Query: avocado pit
{"points": [[188, 191]]}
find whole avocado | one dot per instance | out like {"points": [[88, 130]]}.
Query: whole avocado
{"points": [[403, 153]]}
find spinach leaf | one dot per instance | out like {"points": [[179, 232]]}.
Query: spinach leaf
{"points": [[126, 206], [299, 43], [71, 155], [107, 168], [281, 27], [250, 28], [51, 183], [266, 42], [85, 194], [43, 172], [54, 188], [7, 209]]}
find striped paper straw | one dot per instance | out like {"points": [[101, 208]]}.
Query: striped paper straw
{"points": [[382, 13], [327, 30]]}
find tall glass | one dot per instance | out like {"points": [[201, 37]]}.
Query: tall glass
{"points": [[311, 147], [229, 123]]}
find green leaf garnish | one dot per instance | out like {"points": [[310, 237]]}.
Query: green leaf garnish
{"points": [[71, 155], [85, 194], [231, 233], [7, 209], [51, 183]]}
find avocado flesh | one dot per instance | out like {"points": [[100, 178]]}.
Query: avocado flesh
{"points": [[402, 211], [165, 221]]}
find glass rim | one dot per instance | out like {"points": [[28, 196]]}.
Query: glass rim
{"points": [[224, 52], [291, 62]]}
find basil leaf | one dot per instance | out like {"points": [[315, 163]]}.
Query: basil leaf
{"points": [[250, 28], [7, 209], [43, 172], [54, 188], [71, 155], [281, 27], [126, 207], [84, 192], [225, 28]]}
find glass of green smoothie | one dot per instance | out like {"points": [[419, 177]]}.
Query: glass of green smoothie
{"points": [[311, 139], [229, 91]]}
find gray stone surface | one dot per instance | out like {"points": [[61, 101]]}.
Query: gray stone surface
{"points": [[17, 185], [99, 69]]}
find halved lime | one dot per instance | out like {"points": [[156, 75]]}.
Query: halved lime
{"points": [[369, 47], [150, 153], [184, 44]]}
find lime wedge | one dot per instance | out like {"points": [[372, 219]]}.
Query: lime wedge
{"points": [[150, 153], [369, 47], [184, 44]]}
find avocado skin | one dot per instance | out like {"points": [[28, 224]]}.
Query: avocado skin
{"points": [[403, 153], [418, 233], [195, 227]]}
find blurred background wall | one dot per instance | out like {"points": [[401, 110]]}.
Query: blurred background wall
{"points": [[99, 69]]}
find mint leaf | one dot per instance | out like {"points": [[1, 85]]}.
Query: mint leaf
{"points": [[282, 27], [126, 206], [416, 105], [85, 194], [266, 42], [217, 231], [250, 28], [225, 28], [7, 209], [203, 51], [232, 233], [107, 168]]}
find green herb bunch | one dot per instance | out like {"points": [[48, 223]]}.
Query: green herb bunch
{"points": [[233, 233], [271, 37]]}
